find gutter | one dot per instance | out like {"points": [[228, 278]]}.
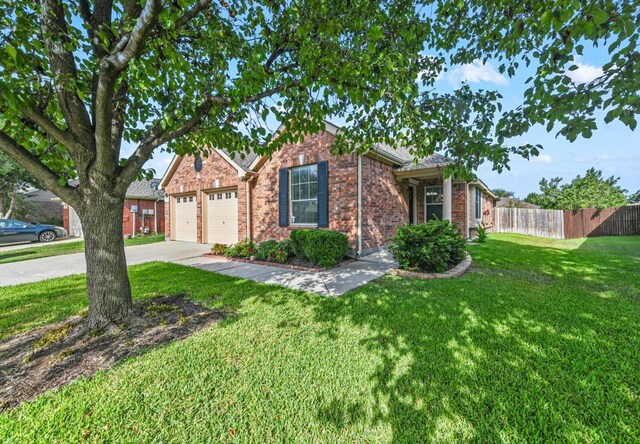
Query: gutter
{"points": [[359, 252]]}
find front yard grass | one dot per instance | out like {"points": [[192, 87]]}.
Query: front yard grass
{"points": [[55, 249], [540, 342]]}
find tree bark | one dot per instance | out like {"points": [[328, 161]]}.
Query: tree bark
{"points": [[107, 278]]}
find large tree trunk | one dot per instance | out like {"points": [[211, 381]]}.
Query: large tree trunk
{"points": [[107, 278]]}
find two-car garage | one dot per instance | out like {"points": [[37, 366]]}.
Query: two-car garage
{"points": [[219, 217]]}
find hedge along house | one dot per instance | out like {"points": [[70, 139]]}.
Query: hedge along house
{"points": [[143, 210], [224, 198]]}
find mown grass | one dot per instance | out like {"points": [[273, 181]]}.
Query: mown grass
{"points": [[540, 342], [57, 249]]}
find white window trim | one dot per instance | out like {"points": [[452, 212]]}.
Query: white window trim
{"points": [[415, 204], [425, 200], [478, 191], [290, 198]]}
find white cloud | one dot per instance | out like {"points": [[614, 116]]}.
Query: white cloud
{"points": [[585, 72], [475, 72], [542, 158]]}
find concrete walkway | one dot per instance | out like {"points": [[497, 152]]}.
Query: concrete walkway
{"points": [[333, 282]]}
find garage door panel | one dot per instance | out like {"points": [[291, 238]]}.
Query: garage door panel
{"points": [[185, 217], [222, 217]]}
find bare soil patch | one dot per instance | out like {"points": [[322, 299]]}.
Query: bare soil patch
{"points": [[55, 355]]}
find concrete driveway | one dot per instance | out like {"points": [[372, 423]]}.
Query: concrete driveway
{"points": [[332, 282], [57, 266], [21, 245]]}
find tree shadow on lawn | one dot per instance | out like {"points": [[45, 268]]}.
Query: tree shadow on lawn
{"points": [[534, 344], [498, 356]]}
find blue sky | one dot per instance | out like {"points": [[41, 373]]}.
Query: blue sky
{"points": [[613, 148]]}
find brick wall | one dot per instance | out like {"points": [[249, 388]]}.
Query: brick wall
{"points": [[343, 200], [186, 181], [141, 220], [459, 205], [65, 218], [131, 226], [384, 203]]}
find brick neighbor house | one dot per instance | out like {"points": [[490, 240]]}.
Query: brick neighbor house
{"points": [[143, 207], [224, 198]]}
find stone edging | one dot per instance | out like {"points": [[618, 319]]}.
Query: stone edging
{"points": [[456, 271]]}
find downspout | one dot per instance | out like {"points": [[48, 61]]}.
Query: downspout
{"points": [[466, 210], [248, 205], [359, 252], [155, 215]]}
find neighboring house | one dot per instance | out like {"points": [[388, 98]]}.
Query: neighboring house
{"points": [[40, 206], [224, 198], [143, 207], [512, 202]]}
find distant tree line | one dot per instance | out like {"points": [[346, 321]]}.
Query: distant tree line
{"points": [[589, 191]]}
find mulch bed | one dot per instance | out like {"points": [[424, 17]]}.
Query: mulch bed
{"points": [[55, 355], [294, 263]]}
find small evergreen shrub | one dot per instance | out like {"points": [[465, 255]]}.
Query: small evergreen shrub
{"points": [[273, 251], [324, 248], [482, 234], [244, 248], [219, 249], [432, 247]]}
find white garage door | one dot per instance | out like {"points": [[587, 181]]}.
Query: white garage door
{"points": [[185, 208], [222, 217]]}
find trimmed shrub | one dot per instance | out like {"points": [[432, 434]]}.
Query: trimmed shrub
{"points": [[324, 248], [273, 251], [219, 249], [244, 248], [433, 247]]}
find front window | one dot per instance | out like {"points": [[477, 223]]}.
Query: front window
{"points": [[304, 195], [433, 198], [478, 203]]}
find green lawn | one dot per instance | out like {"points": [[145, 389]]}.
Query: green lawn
{"points": [[540, 342], [57, 249]]}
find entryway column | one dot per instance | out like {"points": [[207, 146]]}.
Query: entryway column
{"points": [[446, 199]]}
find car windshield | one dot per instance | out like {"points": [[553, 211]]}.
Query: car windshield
{"points": [[19, 224]]}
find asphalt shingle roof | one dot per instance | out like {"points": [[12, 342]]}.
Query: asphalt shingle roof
{"points": [[237, 158], [141, 189]]}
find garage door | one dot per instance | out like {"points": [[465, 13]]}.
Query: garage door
{"points": [[185, 218], [222, 217]]}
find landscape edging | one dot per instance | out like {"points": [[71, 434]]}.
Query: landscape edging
{"points": [[456, 271]]}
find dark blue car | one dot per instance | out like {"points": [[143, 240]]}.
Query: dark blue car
{"points": [[16, 231]]}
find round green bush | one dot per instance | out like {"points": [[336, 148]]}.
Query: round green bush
{"points": [[432, 247], [324, 248]]}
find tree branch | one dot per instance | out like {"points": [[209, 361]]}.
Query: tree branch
{"points": [[54, 34], [37, 169], [131, 44], [196, 9], [63, 137], [157, 135]]}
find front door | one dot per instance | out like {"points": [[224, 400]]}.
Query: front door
{"points": [[412, 199]]}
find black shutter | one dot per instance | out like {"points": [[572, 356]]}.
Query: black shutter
{"points": [[283, 197], [323, 194]]}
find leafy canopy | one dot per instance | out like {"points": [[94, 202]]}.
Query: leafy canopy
{"points": [[501, 192], [590, 191], [78, 78]]}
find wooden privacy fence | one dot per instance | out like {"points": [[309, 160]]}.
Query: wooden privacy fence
{"points": [[606, 222], [568, 224], [534, 222]]}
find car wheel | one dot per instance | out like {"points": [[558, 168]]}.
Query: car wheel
{"points": [[47, 236]]}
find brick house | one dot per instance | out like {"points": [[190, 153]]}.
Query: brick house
{"points": [[143, 207], [224, 198]]}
